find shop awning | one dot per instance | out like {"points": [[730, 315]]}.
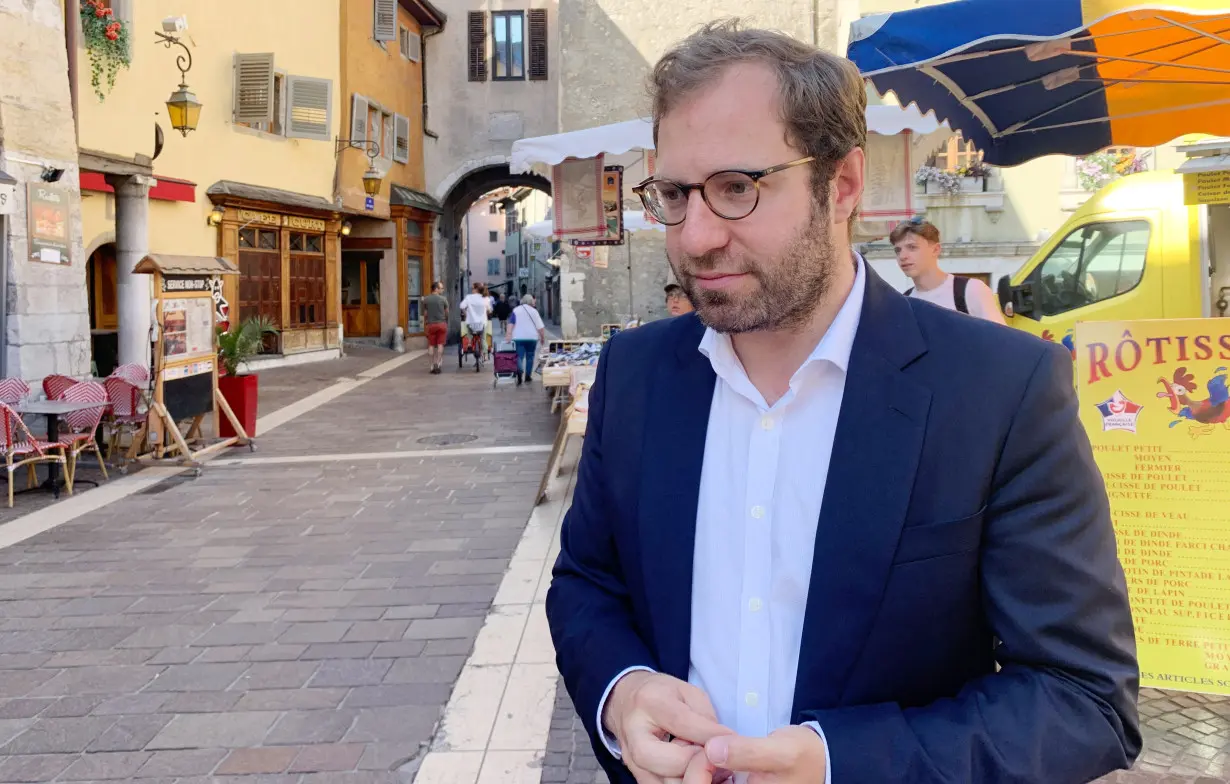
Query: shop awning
{"points": [[619, 138], [1026, 79], [223, 190], [633, 221], [409, 197], [1205, 156], [185, 265]]}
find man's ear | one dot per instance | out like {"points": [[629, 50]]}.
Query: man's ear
{"points": [[848, 185]]}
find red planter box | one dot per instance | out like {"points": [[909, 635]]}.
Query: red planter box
{"points": [[240, 395]]}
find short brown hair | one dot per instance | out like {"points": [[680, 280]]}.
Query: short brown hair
{"points": [[823, 103], [919, 228]]}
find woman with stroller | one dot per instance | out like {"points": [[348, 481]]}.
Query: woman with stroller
{"points": [[526, 331]]}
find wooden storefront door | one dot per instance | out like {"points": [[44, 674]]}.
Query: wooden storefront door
{"points": [[361, 294]]}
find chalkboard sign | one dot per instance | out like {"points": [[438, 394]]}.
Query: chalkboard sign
{"points": [[189, 397]]}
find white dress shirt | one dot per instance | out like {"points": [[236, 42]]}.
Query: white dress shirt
{"points": [[761, 488]]}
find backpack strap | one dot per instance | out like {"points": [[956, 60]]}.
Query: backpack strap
{"points": [[958, 293]]}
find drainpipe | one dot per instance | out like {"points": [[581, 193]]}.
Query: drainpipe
{"points": [[72, 35], [423, 71]]}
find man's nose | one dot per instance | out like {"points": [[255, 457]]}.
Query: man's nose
{"points": [[702, 229]]}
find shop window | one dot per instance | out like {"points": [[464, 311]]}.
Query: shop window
{"points": [[508, 44], [260, 278], [1094, 263], [414, 289], [307, 280]]}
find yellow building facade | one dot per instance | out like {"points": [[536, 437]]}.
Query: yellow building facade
{"points": [[254, 182], [386, 264]]}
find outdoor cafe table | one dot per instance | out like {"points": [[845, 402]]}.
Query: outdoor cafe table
{"points": [[53, 410]]}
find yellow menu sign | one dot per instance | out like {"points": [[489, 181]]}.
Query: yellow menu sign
{"points": [[1206, 187], [1155, 403]]}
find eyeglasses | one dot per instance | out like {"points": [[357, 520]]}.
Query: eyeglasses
{"points": [[731, 194]]}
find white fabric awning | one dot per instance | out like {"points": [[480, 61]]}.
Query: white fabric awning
{"points": [[633, 221], [619, 138]]}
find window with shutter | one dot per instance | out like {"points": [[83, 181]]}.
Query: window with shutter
{"points": [[311, 106], [358, 118], [384, 20], [538, 43], [415, 46], [477, 31], [386, 138], [254, 90], [508, 45], [401, 133]]}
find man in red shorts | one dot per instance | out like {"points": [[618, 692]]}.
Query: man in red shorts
{"points": [[436, 307]]}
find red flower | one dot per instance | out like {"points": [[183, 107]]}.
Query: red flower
{"points": [[107, 12], [112, 36], [113, 27]]}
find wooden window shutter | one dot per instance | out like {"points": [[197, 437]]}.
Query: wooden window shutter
{"points": [[478, 46], [311, 108], [384, 20], [401, 134], [254, 88], [415, 49], [538, 44], [358, 118]]}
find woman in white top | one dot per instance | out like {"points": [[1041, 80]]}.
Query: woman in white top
{"points": [[525, 329]]}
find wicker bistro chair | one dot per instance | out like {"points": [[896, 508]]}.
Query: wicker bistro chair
{"points": [[21, 449], [79, 429], [133, 373], [126, 414], [13, 390], [54, 385]]}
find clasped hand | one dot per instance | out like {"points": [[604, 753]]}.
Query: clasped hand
{"points": [[668, 733]]}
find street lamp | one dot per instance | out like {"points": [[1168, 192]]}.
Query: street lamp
{"points": [[372, 178], [182, 107]]}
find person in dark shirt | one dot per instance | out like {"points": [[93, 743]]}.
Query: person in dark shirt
{"points": [[436, 325]]}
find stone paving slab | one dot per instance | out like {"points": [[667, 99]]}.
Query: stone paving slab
{"points": [[287, 622], [1187, 741]]}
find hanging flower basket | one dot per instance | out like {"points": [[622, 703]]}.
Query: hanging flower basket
{"points": [[106, 41]]}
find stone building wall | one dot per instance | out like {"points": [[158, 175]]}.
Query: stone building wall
{"points": [[47, 329]]}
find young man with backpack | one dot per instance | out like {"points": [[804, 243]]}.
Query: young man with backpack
{"points": [[917, 244]]}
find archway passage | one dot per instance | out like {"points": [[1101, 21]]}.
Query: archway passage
{"points": [[463, 195]]}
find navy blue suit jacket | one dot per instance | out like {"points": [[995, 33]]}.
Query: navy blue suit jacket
{"points": [[964, 524]]}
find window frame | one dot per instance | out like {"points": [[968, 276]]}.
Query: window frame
{"points": [[507, 16], [319, 278], [1041, 296]]}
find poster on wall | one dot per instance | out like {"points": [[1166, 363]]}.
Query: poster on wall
{"points": [[187, 327], [612, 202], [1155, 403], [48, 223], [577, 185]]}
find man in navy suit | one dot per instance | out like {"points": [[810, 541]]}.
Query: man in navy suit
{"points": [[822, 532]]}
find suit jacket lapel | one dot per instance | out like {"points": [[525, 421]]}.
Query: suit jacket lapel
{"points": [[673, 453], [876, 451]]}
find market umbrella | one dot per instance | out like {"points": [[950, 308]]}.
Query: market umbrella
{"points": [[1023, 79]]}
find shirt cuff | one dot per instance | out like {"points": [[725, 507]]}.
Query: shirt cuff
{"points": [[608, 740], [828, 763]]}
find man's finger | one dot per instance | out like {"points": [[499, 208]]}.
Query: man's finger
{"points": [[749, 755], [682, 721], [666, 760], [698, 701], [699, 770]]}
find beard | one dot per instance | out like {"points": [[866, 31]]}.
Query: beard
{"points": [[790, 286]]}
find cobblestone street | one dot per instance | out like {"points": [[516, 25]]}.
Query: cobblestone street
{"points": [[290, 613]]}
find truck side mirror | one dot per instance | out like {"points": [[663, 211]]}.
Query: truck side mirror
{"points": [[1016, 300], [1005, 292]]}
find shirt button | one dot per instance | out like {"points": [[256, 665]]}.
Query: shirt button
{"points": [[752, 699], [758, 512], [754, 605], [766, 423]]}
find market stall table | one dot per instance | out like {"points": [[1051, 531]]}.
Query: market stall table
{"points": [[53, 410]]}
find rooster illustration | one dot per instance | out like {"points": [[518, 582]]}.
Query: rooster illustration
{"points": [[1205, 414]]}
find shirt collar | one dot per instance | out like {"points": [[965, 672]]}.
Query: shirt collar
{"points": [[835, 346]]}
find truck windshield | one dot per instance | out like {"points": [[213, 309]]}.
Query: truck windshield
{"points": [[1093, 263]]}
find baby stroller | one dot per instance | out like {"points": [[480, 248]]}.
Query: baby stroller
{"points": [[505, 362]]}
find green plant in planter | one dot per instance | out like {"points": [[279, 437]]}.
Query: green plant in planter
{"points": [[241, 342], [107, 42]]}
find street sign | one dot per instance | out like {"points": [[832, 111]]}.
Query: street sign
{"points": [[370, 203], [8, 198]]}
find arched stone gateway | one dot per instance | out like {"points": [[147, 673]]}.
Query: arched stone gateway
{"points": [[460, 197]]}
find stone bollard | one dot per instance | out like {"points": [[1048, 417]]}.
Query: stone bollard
{"points": [[399, 340]]}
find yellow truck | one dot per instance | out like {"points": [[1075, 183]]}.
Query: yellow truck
{"points": [[1143, 247]]}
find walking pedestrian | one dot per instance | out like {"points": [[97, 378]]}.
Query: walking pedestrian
{"points": [[475, 317], [501, 311], [436, 325], [527, 330], [822, 532], [918, 248]]}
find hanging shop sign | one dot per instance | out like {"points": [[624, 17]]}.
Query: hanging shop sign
{"points": [[48, 222]]}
